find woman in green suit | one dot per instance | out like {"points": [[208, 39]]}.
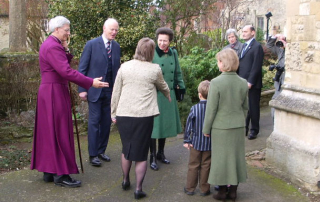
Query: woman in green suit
{"points": [[226, 112], [167, 124]]}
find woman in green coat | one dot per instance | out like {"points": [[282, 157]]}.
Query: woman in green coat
{"points": [[227, 107], [167, 124]]}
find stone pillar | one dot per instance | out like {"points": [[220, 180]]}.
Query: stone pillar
{"points": [[17, 26], [294, 145]]}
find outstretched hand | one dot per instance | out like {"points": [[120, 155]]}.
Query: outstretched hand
{"points": [[97, 83]]}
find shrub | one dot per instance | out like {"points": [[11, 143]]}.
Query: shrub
{"points": [[199, 65]]}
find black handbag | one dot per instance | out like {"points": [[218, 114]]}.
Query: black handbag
{"points": [[179, 92]]}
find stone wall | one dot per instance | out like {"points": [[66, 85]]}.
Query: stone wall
{"points": [[294, 145]]}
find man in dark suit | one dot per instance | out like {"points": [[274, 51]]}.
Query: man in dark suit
{"points": [[101, 56], [250, 68]]}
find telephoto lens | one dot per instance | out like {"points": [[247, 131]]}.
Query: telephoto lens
{"points": [[279, 44]]}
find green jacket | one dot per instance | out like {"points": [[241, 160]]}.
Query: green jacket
{"points": [[168, 124], [227, 103]]}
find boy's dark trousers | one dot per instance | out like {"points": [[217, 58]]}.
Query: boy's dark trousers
{"points": [[198, 170]]}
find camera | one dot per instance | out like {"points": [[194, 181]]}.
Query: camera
{"points": [[272, 67], [278, 73], [279, 44]]}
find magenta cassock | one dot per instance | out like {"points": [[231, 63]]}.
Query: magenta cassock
{"points": [[53, 141]]}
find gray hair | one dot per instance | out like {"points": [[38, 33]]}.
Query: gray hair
{"points": [[232, 31], [109, 20], [57, 21]]}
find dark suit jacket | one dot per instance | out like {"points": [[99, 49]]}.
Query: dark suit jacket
{"points": [[94, 63], [250, 67]]}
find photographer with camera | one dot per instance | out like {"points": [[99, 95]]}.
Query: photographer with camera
{"points": [[276, 44]]}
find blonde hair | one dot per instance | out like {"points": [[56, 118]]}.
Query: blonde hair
{"points": [[229, 60], [145, 50], [203, 88]]}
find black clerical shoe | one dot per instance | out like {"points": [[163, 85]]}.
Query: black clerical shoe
{"points": [[48, 177], [139, 194], [252, 136], [95, 161], [104, 157], [68, 182]]}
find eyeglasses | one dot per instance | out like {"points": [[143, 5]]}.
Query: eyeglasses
{"points": [[66, 30]]}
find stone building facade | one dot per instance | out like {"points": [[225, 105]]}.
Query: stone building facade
{"points": [[255, 14], [294, 145]]}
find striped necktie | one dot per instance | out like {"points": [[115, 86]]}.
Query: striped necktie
{"points": [[244, 49], [108, 49]]}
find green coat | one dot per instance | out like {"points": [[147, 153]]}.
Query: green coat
{"points": [[227, 107], [168, 124]]}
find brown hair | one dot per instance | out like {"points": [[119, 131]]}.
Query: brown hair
{"points": [[145, 50], [203, 88], [229, 59], [166, 31]]}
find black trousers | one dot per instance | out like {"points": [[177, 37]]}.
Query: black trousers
{"points": [[253, 116]]}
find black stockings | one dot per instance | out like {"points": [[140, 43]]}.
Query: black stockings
{"points": [[126, 166], [141, 169]]}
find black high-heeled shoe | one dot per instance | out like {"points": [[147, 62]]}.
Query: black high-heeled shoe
{"points": [[125, 185], [139, 194]]}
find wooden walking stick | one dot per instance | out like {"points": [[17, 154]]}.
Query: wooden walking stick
{"points": [[76, 125]]}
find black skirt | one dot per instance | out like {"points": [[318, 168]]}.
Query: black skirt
{"points": [[135, 134]]}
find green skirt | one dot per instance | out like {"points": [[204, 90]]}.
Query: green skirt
{"points": [[228, 163]]}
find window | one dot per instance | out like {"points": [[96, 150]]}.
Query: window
{"points": [[261, 23]]}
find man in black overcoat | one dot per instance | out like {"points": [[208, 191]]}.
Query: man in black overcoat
{"points": [[250, 68]]}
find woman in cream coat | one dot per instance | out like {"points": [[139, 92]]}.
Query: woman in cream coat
{"points": [[133, 107], [226, 111]]}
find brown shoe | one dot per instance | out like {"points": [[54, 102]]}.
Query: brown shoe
{"points": [[222, 193], [233, 192]]}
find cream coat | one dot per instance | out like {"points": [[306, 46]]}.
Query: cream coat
{"points": [[135, 89]]}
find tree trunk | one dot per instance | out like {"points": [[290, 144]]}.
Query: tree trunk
{"points": [[17, 26]]}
